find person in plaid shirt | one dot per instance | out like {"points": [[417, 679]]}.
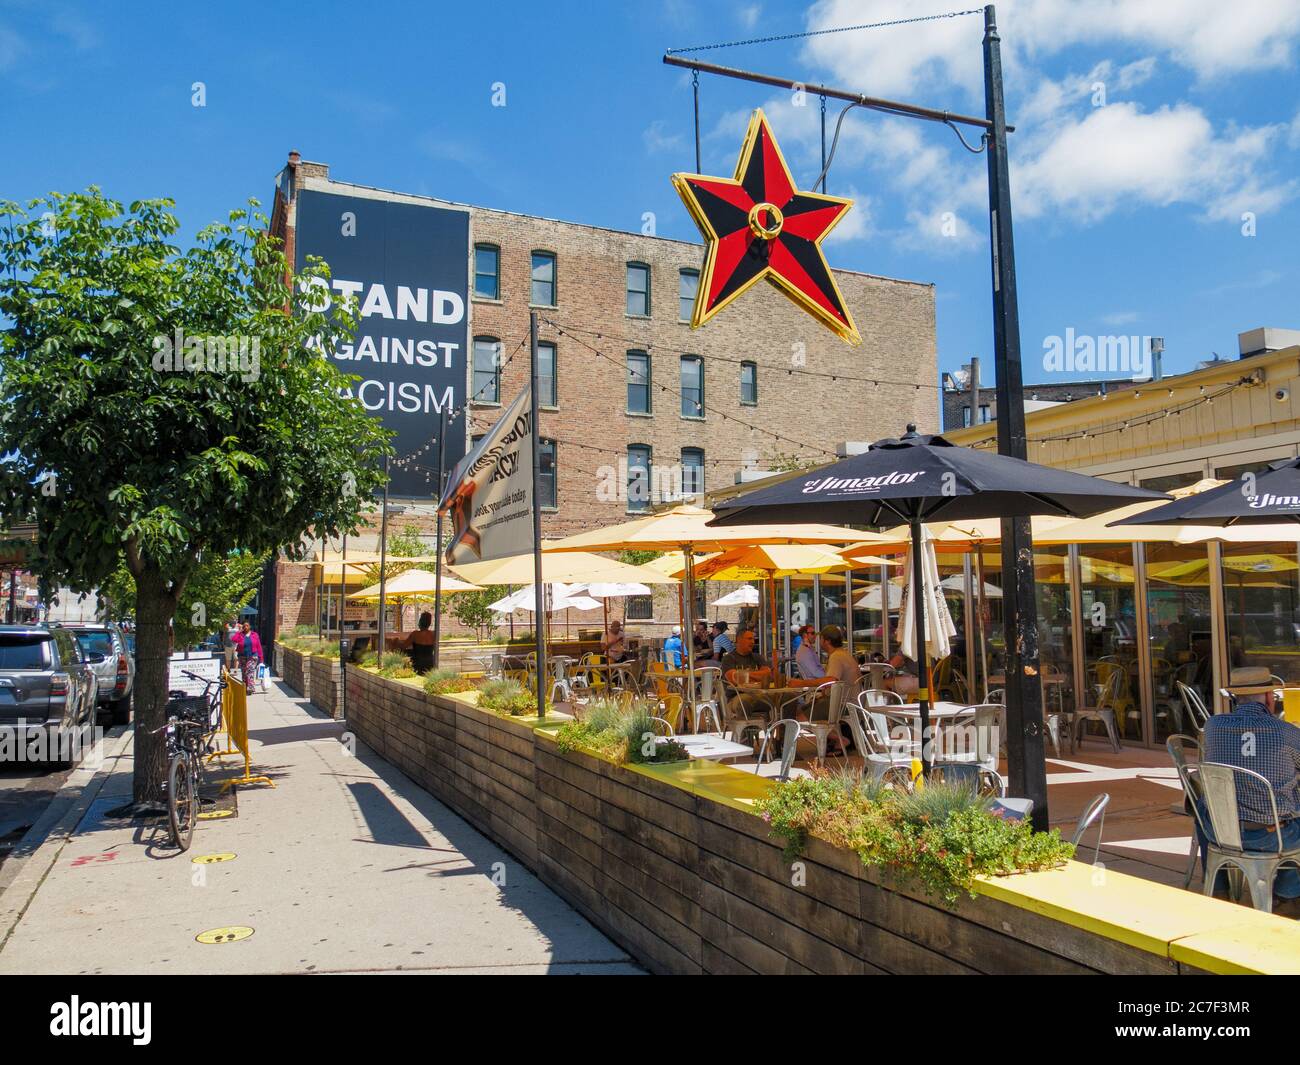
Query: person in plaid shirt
{"points": [[1253, 737]]}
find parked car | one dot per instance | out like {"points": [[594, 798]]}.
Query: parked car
{"points": [[47, 683], [115, 670]]}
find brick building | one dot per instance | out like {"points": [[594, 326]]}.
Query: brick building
{"points": [[636, 407]]}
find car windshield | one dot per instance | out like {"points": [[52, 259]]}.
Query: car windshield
{"points": [[95, 643], [22, 651]]}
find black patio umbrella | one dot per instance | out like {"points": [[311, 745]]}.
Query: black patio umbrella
{"points": [[1266, 498], [916, 479]]}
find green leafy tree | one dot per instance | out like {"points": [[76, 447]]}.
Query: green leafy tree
{"points": [[471, 608], [121, 448], [635, 556], [402, 543], [220, 587]]}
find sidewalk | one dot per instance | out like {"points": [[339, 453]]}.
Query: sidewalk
{"points": [[344, 866]]}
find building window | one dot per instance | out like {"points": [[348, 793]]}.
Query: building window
{"points": [[487, 271], [639, 607], [547, 389], [692, 471], [638, 477], [688, 283], [692, 386], [638, 382], [984, 413], [749, 384], [486, 385], [547, 483], [638, 290], [965, 416], [543, 290]]}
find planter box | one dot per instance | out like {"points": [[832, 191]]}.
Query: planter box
{"points": [[672, 863], [291, 668], [323, 683]]}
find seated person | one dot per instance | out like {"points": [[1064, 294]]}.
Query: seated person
{"points": [[673, 649], [702, 640], [420, 644], [722, 643], [744, 657], [613, 645], [841, 667], [1274, 752], [806, 659]]}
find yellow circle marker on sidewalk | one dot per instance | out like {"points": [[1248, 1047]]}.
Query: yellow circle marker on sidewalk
{"points": [[212, 859], [232, 934], [213, 815]]}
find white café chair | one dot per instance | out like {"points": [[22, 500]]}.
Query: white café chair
{"points": [[1178, 746], [886, 761]]}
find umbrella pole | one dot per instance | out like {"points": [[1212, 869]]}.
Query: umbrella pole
{"points": [[979, 618], [688, 605], [922, 665], [771, 597]]}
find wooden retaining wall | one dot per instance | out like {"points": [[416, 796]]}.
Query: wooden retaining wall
{"points": [[291, 667], [692, 883], [323, 683]]}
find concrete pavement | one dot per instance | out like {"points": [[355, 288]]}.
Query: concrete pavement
{"points": [[343, 866]]}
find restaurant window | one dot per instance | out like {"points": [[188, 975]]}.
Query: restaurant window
{"points": [[692, 386], [638, 382], [1109, 622], [487, 271], [638, 477], [640, 607], [749, 384], [692, 471], [547, 484], [1169, 481], [543, 280], [547, 391], [1179, 631], [688, 283], [486, 385], [638, 290], [1261, 605]]}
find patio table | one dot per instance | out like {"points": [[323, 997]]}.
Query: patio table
{"points": [[776, 697], [710, 747], [941, 714]]}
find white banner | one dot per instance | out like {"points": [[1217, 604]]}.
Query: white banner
{"points": [[489, 494]]}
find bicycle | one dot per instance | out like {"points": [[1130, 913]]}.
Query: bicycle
{"points": [[191, 723]]}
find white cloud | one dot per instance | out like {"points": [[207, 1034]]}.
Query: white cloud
{"points": [[657, 138], [1115, 318], [1208, 37], [12, 47], [857, 223], [1119, 155], [749, 15]]}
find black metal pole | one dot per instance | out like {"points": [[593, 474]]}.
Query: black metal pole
{"points": [[383, 559], [873, 103], [343, 613], [1024, 697], [539, 603], [437, 565], [922, 670]]}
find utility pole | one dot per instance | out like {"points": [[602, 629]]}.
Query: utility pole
{"points": [[1024, 695]]}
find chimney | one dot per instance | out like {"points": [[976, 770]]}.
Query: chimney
{"points": [[1266, 339], [1157, 350], [974, 389]]}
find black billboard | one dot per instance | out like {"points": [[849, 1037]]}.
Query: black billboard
{"points": [[407, 265]]}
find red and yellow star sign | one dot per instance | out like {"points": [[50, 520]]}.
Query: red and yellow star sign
{"points": [[758, 225]]}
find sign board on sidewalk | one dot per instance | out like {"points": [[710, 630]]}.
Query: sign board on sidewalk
{"points": [[206, 666]]}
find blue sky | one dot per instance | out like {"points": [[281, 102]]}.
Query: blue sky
{"points": [[1147, 130]]}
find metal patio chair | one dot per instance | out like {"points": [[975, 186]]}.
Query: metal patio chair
{"points": [[1178, 745], [1218, 787], [1107, 693], [792, 729], [1096, 811]]}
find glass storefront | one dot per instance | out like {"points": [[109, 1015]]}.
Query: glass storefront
{"points": [[1108, 596], [1261, 606], [1054, 591], [1178, 632]]}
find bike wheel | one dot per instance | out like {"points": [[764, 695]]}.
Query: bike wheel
{"points": [[182, 801]]}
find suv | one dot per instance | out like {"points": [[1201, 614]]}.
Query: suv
{"points": [[115, 670], [47, 683]]}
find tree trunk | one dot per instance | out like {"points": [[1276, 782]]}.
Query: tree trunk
{"points": [[155, 604]]}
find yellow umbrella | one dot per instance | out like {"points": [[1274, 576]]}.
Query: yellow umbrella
{"points": [[672, 563], [562, 567], [685, 525], [413, 584]]}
